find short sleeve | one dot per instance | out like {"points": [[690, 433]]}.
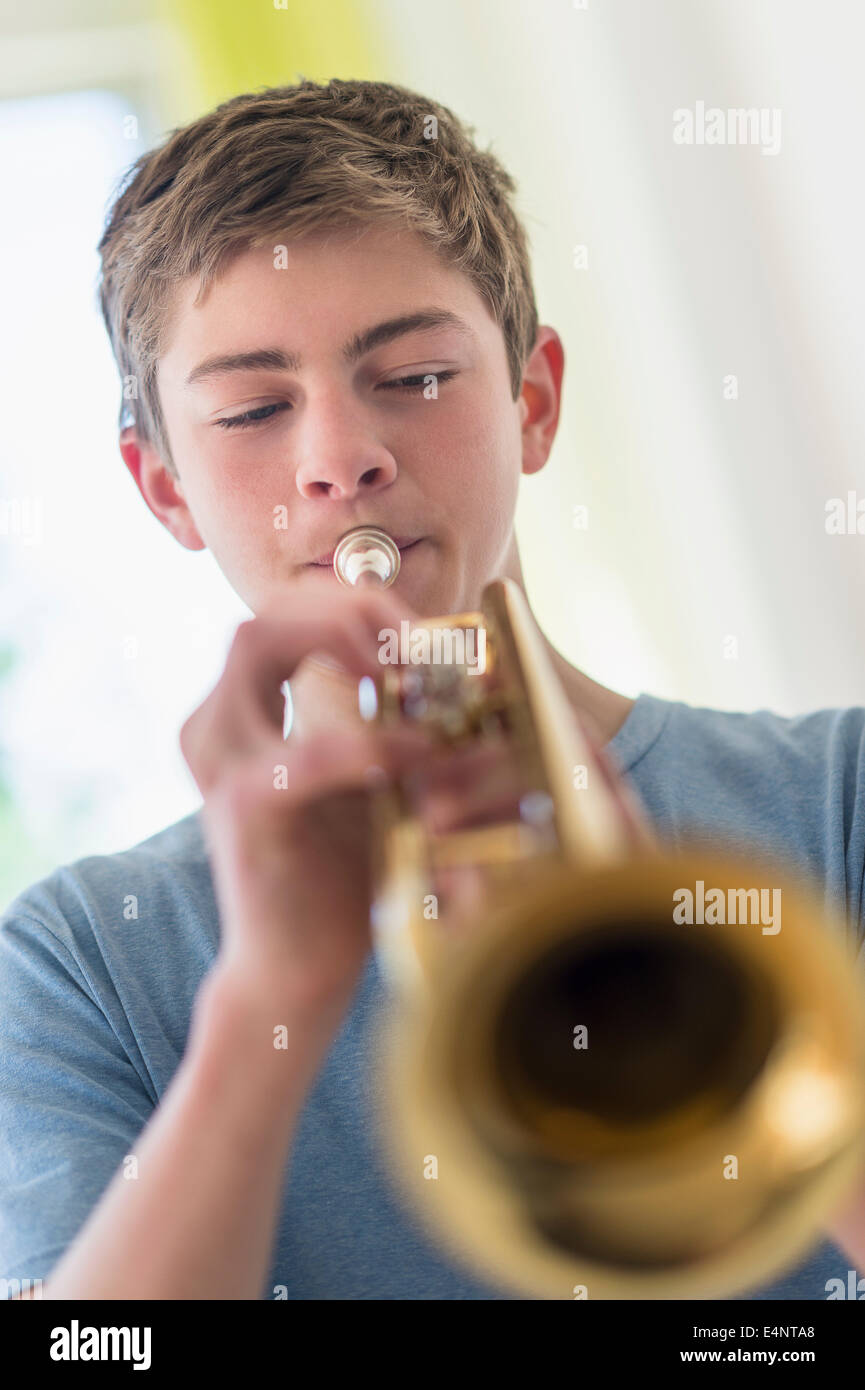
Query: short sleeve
{"points": [[71, 1102]]}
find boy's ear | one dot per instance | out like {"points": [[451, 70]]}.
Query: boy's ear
{"points": [[160, 488], [541, 397]]}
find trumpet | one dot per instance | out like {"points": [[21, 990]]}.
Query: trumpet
{"points": [[595, 1091]]}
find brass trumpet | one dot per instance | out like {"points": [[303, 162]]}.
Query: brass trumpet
{"points": [[586, 1094]]}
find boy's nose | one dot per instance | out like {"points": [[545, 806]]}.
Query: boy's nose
{"points": [[340, 465], [344, 479]]}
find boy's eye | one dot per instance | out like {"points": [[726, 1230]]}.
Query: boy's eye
{"points": [[260, 413], [416, 382], [251, 417]]}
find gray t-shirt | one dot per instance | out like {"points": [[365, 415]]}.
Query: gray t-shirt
{"points": [[100, 963]]}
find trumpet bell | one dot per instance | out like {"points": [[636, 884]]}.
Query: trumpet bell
{"points": [[594, 1096]]}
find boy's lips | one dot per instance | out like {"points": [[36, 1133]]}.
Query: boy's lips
{"points": [[403, 543]]}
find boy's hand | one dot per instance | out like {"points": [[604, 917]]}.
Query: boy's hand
{"points": [[287, 824]]}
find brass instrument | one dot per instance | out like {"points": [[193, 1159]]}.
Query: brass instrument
{"points": [[585, 1095]]}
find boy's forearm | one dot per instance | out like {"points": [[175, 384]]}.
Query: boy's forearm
{"points": [[198, 1220]]}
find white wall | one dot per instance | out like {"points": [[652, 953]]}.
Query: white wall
{"points": [[706, 515]]}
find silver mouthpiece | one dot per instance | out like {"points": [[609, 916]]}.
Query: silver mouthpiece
{"points": [[366, 555]]}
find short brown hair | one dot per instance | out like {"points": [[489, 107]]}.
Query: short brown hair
{"points": [[287, 160]]}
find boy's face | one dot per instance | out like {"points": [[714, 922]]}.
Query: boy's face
{"points": [[278, 455]]}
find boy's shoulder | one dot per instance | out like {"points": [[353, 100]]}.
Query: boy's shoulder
{"points": [[137, 931], [172, 863], [792, 787]]}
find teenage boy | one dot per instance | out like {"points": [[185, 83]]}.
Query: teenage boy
{"points": [[283, 282]]}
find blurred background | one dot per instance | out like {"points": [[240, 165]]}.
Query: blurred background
{"points": [[710, 298]]}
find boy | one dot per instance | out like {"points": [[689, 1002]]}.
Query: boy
{"points": [[283, 281]]}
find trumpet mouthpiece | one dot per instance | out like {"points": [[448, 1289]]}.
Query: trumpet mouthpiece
{"points": [[366, 555]]}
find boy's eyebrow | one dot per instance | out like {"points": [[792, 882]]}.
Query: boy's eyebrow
{"points": [[262, 359], [385, 332]]}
